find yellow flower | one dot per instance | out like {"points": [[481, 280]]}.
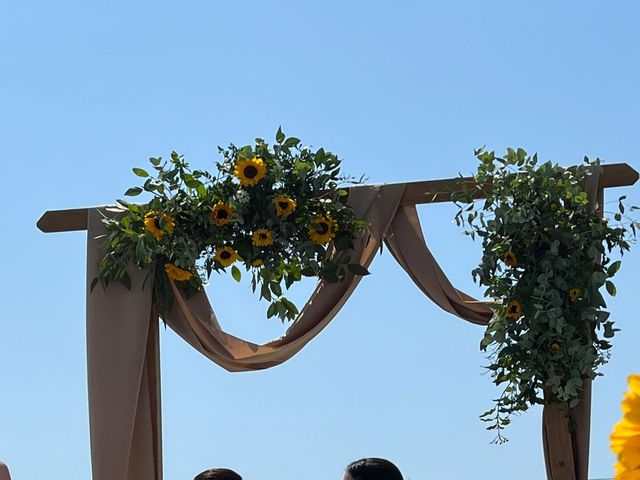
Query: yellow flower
{"points": [[257, 262], [262, 238], [250, 171], [553, 207], [284, 205], [629, 457], [158, 223], [221, 214], [226, 256], [555, 347], [631, 403], [625, 438], [322, 229], [510, 259], [628, 475], [624, 432], [176, 273], [574, 294], [514, 309]]}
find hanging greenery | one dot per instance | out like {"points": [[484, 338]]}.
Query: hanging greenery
{"points": [[279, 213], [546, 257]]}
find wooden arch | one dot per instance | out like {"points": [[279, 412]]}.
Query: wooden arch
{"points": [[566, 454]]}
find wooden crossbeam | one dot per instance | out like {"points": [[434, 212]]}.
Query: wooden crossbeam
{"points": [[416, 193]]}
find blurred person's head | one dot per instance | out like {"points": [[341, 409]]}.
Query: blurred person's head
{"points": [[372, 469], [218, 474]]}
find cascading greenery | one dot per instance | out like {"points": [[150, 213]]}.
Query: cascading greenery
{"points": [[545, 260], [278, 211]]}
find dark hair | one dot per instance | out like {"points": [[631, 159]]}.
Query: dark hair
{"points": [[218, 474], [373, 469]]}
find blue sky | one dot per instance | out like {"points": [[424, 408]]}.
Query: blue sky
{"points": [[402, 91]]}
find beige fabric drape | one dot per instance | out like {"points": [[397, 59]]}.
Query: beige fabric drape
{"points": [[122, 344], [122, 372], [195, 321], [4, 472]]}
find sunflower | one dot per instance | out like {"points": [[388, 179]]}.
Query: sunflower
{"points": [[258, 262], [250, 171], [322, 229], [177, 273], [226, 256], [221, 214], [625, 439], [158, 223], [574, 294], [284, 205], [514, 309], [262, 238], [510, 259]]}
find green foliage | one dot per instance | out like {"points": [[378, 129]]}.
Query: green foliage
{"points": [[545, 259], [179, 230]]}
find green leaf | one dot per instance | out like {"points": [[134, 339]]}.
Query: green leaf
{"points": [[357, 269], [293, 310], [342, 243], [613, 268], [235, 273], [308, 272], [275, 288], [279, 135], [126, 281], [140, 172], [331, 276], [132, 192], [611, 288], [609, 331], [272, 310], [265, 292], [291, 142]]}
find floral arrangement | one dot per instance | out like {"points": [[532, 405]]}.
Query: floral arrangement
{"points": [[545, 259], [278, 212], [625, 439]]}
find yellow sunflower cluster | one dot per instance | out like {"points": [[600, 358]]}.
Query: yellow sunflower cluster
{"points": [[625, 439], [574, 294], [284, 205], [262, 237], [510, 259], [158, 223], [226, 256], [514, 309], [177, 273], [322, 229], [250, 171], [221, 214]]}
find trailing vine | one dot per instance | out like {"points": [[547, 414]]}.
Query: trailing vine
{"points": [[546, 258]]}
